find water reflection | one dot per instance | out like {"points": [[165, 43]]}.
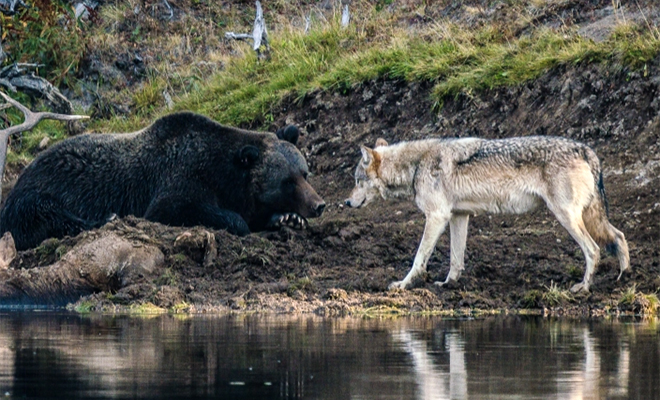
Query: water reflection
{"points": [[245, 357]]}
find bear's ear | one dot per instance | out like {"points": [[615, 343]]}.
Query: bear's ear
{"points": [[289, 133], [247, 156]]}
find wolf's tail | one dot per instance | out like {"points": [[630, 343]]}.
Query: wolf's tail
{"points": [[599, 227]]}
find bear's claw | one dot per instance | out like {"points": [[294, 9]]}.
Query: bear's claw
{"points": [[291, 220]]}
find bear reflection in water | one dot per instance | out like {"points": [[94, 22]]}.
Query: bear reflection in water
{"points": [[184, 170]]}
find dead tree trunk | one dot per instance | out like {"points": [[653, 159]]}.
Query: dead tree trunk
{"points": [[259, 34]]}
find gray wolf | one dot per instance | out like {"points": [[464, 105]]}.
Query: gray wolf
{"points": [[450, 179], [184, 169]]}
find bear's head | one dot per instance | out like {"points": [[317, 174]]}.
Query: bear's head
{"points": [[279, 175]]}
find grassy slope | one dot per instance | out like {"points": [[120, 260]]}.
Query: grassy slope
{"points": [[457, 61], [329, 57]]}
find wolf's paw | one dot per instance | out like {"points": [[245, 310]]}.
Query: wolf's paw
{"points": [[447, 283], [292, 220], [621, 272], [580, 287], [397, 285]]}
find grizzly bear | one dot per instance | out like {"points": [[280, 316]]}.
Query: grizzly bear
{"points": [[184, 170]]}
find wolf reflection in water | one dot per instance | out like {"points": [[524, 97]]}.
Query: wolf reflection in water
{"points": [[313, 358]]}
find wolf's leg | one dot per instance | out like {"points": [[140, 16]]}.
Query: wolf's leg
{"points": [[575, 227], [458, 228], [435, 225]]}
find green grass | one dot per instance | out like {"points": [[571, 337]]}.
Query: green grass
{"points": [[47, 33], [457, 62], [84, 307], [145, 309], [555, 296], [638, 302]]}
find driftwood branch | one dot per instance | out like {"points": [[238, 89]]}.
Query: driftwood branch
{"points": [[259, 34], [31, 120]]}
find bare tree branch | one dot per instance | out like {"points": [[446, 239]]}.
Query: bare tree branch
{"points": [[15, 77], [308, 23], [169, 8], [238, 36], [31, 120], [345, 17], [259, 34]]}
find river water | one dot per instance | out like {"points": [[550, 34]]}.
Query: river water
{"points": [[69, 356]]}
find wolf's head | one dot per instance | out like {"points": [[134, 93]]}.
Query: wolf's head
{"points": [[367, 182]]}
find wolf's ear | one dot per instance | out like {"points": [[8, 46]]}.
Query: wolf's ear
{"points": [[381, 142], [367, 155], [247, 156]]}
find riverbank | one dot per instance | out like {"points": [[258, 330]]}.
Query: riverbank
{"points": [[343, 263]]}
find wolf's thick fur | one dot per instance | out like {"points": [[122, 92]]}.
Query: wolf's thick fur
{"points": [[449, 179]]}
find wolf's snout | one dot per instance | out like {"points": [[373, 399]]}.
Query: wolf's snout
{"points": [[353, 204]]}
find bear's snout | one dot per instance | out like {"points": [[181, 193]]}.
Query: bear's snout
{"points": [[315, 207], [319, 209], [312, 204]]}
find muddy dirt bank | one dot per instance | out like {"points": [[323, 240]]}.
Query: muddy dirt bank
{"points": [[345, 260]]}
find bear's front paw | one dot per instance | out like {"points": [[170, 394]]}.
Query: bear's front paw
{"points": [[292, 220]]}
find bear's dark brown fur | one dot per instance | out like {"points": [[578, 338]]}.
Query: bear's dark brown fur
{"points": [[184, 169]]}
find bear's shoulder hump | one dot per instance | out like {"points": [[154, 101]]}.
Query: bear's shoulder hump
{"points": [[181, 123]]}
